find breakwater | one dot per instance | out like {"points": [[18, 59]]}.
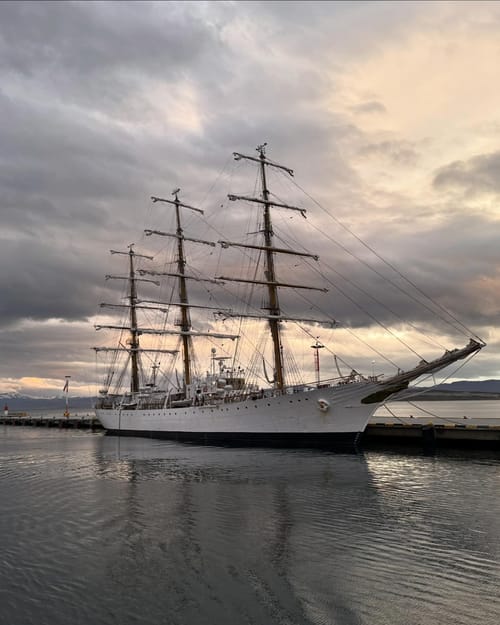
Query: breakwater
{"points": [[88, 421]]}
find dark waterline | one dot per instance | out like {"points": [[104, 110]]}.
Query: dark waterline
{"points": [[97, 529]]}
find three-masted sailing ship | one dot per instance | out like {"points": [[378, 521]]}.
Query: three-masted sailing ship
{"points": [[225, 404]]}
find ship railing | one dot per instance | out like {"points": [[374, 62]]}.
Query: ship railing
{"points": [[212, 398], [352, 378], [254, 394], [151, 405], [108, 402]]}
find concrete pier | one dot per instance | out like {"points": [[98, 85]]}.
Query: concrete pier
{"points": [[23, 419], [466, 432]]}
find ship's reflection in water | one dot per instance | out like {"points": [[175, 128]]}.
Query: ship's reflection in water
{"points": [[123, 530]]}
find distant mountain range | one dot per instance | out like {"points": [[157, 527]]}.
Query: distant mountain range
{"points": [[482, 386], [14, 401], [483, 389]]}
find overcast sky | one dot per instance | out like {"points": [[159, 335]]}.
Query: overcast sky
{"points": [[389, 113]]}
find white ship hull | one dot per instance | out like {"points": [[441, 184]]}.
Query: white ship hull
{"points": [[227, 403], [320, 417]]}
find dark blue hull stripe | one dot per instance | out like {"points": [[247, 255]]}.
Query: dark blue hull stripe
{"points": [[317, 440]]}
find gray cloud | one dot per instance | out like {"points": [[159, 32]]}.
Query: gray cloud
{"points": [[475, 176], [96, 55], [369, 107], [105, 104], [401, 152]]}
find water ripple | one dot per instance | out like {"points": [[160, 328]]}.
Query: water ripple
{"points": [[101, 530]]}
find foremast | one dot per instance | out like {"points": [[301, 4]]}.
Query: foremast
{"points": [[275, 315], [185, 318], [186, 333]]}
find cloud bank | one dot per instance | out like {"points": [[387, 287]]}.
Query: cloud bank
{"points": [[104, 104]]}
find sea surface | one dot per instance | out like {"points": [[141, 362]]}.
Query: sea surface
{"points": [[97, 529], [462, 412]]}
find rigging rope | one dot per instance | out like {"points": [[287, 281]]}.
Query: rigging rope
{"points": [[391, 266], [427, 389], [369, 295]]}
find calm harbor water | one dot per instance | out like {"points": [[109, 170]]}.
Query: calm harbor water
{"points": [[485, 410], [96, 530]]}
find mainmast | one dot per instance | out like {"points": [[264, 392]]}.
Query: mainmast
{"points": [[275, 315], [183, 298], [134, 336], [274, 306]]}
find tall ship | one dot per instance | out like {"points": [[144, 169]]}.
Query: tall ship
{"points": [[248, 388]]}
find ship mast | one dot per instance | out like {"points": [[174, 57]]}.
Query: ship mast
{"points": [[185, 332], [183, 298], [274, 306], [275, 315], [134, 332], [133, 305], [134, 336]]}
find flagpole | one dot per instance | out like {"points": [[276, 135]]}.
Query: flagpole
{"points": [[66, 388]]}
